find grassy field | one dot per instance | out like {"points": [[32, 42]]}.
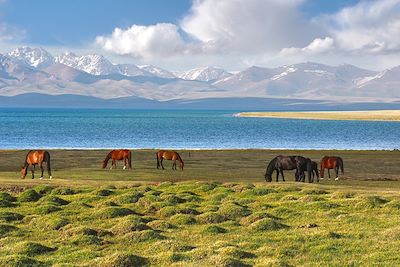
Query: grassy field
{"points": [[217, 212], [372, 115]]}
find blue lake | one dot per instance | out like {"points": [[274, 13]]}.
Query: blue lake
{"points": [[67, 128]]}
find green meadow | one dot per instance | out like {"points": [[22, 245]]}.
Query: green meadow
{"points": [[218, 212]]}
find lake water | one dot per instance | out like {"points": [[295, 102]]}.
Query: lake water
{"points": [[66, 128]]}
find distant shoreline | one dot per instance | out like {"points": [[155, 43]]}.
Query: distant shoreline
{"points": [[370, 115]]}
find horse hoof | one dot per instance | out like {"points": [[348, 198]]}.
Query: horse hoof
{"points": [[337, 179], [124, 168], [41, 178], [51, 177]]}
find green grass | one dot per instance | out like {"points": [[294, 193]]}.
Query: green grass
{"points": [[217, 212]]}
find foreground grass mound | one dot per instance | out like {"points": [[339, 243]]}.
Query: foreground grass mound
{"points": [[123, 260], [29, 195], [199, 224]]}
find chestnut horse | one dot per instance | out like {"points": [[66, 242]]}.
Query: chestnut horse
{"points": [[168, 155], [331, 163], [119, 154], [33, 158]]}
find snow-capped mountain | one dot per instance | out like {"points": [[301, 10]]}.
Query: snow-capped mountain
{"points": [[34, 57], [34, 70], [156, 71], [132, 70], [93, 63], [205, 74]]}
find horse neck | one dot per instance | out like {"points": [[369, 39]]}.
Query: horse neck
{"points": [[271, 167], [108, 157]]}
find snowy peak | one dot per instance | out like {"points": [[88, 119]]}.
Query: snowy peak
{"points": [[205, 74], [156, 71], [33, 57], [93, 63]]}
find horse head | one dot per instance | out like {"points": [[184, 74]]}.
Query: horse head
{"points": [[181, 164], [24, 171], [268, 177], [104, 164]]}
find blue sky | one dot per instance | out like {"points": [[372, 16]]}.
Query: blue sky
{"points": [[73, 22], [234, 34], [61, 22]]}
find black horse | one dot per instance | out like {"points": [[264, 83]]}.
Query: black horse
{"points": [[280, 163], [314, 170], [303, 165]]}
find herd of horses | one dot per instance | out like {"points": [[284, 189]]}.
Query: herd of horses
{"points": [[303, 165], [280, 163]]}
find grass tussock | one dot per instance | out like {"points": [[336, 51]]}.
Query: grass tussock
{"points": [[10, 216], [123, 260], [21, 261], [31, 249], [6, 229], [29, 195], [267, 224]]}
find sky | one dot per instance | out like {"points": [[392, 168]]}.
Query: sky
{"points": [[233, 34]]}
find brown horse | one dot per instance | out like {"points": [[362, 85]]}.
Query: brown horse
{"points": [[168, 155], [33, 158], [119, 154], [331, 163]]}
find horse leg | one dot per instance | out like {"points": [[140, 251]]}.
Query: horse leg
{"points": [[322, 173], [277, 175], [283, 176], [162, 165], [41, 169], [174, 165], [124, 164], [33, 171]]}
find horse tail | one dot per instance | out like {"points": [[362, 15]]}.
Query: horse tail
{"points": [[158, 160], [340, 162], [105, 161], [270, 169], [181, 161], [47, 159], [322, 167], [130, 159]]}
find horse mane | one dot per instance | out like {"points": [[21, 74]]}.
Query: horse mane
{"points": [[26, 159], [271, 166]]}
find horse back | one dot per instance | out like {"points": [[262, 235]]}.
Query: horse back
{"points": [[329, 162], [35, 156]]}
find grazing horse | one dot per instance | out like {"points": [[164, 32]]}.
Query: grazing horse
{"points": [[119, 154], [303, 165], [279, 164], [331, 163], [168, 155], [33, 158]]}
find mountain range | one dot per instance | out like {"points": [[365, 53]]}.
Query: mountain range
{"points": [[35, 71]]}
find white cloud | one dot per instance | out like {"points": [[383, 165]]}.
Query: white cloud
{"points": [[318, 45], [249, 26], [265, 32], [369, 26], [162, 39]]}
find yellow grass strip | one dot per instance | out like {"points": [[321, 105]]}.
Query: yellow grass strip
{"points": [[371, 115]]}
